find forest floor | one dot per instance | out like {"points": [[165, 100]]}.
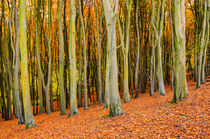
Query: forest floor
{"points": [[145, 117]]}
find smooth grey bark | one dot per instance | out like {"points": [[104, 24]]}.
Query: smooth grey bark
{"points": [[72, 58], [15, 41], [157, 25], [107, 95], [61, 59], [29, 118], [19, 110], [115, 107], [180, 88], [202, 43], [161, 89], [205, 51]]}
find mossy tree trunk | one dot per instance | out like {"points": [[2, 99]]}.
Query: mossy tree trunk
{"points": [[99, 54], [202, 43], [138, 58], [203, 74], [72, 58], [115, 107], [180, 87], [46, 85], [85, 54], [157, 27], [61, 59], [125, 52], [29, 118]]}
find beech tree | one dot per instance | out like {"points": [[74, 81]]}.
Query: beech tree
{"points": [[98, 29], [47, 84], [180, 88], [29, 118], [125, 51], [202, 43], [85, 54], [157, 27], [72, 58], [61, 59], [115, 107]]}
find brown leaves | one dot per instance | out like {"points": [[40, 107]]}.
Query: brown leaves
{"points": [[145, 117]]}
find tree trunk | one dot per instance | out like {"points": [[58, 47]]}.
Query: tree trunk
{"points": [[79, 91], [157, 25], [99, 55], [45, 86], [138, 49], [72, 58], [110, 15], [172, 46], [29, 118], [107, 94], [85, 55], [205, 51], [17, 80], [180, 88], [61, 59], [125, 52], [202, 44]]}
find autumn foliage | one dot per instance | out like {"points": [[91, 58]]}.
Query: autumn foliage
{"points": [[145, 117]]}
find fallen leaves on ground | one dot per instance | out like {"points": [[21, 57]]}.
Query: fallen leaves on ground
{"points": [[145, 117]]}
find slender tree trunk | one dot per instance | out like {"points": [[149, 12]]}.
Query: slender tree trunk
{"points": [[125, 52], [157, 30], [85, 55], [72, 58], [29, 118], [161, 89], [45, 86], [107, 94], [17, 80], [1, 62], [138, 49], [152, 59], [205, 51], [61, 59], [172, 47], [49, 82], [14, 41], [122, 44], [196, 40], [66, 65], [99, 55], [152, 76], [80, 68], [37, 15], [7, 74], [202, 44]]}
